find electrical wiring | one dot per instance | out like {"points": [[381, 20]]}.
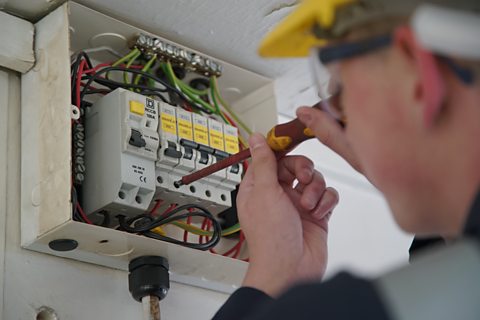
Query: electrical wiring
{"points": [[146, 68], [214, 85], [167, 67], [185, 232], [234, 251], [167, 87], [144, 223], [217, 107], [125, 58], [168, 70], [84, 74], [82, 213], [201, 232], [129, 63]]}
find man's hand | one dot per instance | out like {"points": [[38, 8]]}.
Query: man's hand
{"points": [[285, 226], [329, 132]]}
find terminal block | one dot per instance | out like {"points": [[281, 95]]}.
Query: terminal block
{"points": [[169, 52], [121, 150]]}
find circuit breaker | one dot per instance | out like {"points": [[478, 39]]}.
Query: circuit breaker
{"points": [[137, 147], [121, 151], [139, 140]]}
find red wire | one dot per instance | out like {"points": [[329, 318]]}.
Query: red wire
{"points": [[156, 206], [185, 232], [84, 216], [101, 65], [230, 120], [235, 250], [79, 80], [170, 208]]}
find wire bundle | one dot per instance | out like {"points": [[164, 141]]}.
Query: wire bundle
{"points": [[144, 223], [138, 76]]}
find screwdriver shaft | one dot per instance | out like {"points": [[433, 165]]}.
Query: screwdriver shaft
{"points": [[222, 164]]}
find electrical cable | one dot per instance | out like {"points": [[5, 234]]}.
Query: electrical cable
{"points": [[234, 251], [129, 63], [96, 77], [150, 223], [214, 84], [146, 68], [167, 67], [82, 56], [128, 56]]}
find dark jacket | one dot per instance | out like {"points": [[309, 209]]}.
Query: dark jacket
{"points": [[343, 297]]}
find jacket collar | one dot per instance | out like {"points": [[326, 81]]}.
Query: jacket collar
{"points": [[472, 225]]}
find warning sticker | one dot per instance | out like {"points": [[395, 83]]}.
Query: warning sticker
{"points": [[216, 139], [185, 129], [168, 123], [231, 144], [200, 134]]}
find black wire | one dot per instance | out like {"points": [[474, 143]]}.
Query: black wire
{"points": [[144, 227], [76, 215], [112, 84], [95, 77]]}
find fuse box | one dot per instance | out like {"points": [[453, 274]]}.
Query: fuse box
{"points": [[135, 146]]}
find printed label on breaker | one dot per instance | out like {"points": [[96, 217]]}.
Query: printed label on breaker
{"points": [[150, 109], [231, 139], [200, 134], [216, 139], [200, 130], [215, 130], [185, 127], [168, 123], [231, 144]]}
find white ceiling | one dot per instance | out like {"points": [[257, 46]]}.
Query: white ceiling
{"points": [[227, 29]]}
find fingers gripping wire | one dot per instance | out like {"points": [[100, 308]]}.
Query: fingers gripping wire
{"points": [[144, 223]]}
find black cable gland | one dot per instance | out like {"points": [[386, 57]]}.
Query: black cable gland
{"points": [[148, 277]]}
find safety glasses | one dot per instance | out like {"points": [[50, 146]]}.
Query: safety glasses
{"points": [[325, 68]]}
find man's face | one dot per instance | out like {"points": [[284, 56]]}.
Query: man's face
{"points": [[381, 128]]}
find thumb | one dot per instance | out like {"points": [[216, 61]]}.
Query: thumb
{"points": [[264, 163], [329, 132]]}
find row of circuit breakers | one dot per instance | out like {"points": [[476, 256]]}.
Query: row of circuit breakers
{"points": [[136, 147]]}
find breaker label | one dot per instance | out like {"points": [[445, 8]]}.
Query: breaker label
{"points": [[150, 109], [168, 123], [216, 139], [185, 129], [200, 134], [231, 144], [141, 172]]}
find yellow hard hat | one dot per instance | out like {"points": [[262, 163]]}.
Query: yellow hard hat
{"points": [[293, 37], [315, 22]]}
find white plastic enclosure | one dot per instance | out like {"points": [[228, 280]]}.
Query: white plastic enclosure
{"points": [[46, 151]]}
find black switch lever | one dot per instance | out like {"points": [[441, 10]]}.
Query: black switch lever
{"points": [[136, 139]]}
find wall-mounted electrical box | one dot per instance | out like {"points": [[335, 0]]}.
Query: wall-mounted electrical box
{"points": [[120, 149]]}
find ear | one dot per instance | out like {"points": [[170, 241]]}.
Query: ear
{"points": [[430, 89]]}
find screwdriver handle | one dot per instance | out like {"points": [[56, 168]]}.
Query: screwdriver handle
{"points": [[286, 136]]}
